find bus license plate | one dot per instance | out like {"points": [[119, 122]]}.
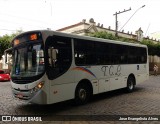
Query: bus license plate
{"points": [[19, 95]]}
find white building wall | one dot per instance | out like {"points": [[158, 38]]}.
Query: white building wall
{"points": [[70, 30], [3, 64], [154, 59]]}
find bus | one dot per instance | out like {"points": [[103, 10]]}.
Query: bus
{"points": [[50, 67]]}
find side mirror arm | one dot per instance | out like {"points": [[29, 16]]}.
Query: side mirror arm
{"points": [[5, 53]]}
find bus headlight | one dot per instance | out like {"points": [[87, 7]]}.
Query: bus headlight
{"points": [[38, 87]]}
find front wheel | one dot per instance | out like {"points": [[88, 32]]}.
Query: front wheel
{"points": [[130, 84], [82, 94]]}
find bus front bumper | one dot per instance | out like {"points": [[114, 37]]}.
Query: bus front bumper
{"points": [[30, 96]]}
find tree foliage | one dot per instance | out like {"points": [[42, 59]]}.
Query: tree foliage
{"points": [[106, 35], [103, 34], [153, 49], [5, 42]]}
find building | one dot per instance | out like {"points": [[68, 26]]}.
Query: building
{"points": [[84, 27], [3, 65], [155, 35]]}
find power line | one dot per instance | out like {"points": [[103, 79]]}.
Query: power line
{"points": [[132, 16], [23, 24], [8, 30], [21, 17], [147, 29]]}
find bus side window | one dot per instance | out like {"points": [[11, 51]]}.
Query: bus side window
{"points": [[142, 55], [59, 55]]}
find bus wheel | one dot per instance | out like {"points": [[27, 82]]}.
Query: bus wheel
{"points": [[82, 94], [130, 84]]}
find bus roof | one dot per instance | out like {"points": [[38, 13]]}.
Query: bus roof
{"points": [[50, 32]]}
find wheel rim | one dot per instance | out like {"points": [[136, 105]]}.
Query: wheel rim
{"points": [[82, 94], [130, 85]]}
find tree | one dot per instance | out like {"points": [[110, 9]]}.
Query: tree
{"points": [[106, 35], [103, 34], [5, 42], [153, 49]]}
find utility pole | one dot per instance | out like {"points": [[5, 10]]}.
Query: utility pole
{"points": [[116, 22]]}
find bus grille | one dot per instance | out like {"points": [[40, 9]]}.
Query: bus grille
{"points": [[22, 81], [22, 94]]}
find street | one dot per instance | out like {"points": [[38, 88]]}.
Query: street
{"points": [[145, 100]]}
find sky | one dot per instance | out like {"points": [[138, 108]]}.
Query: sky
{"points": [[55, 14]]}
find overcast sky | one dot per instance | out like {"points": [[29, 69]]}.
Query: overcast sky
{"points": [[55, 14]]}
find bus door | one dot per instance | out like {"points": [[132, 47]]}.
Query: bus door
{"points": [[59, 60]]}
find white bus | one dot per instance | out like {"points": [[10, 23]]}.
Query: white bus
{"points": [[50, 67]]}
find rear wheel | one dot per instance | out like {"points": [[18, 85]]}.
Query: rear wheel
{"points": [[82, 94], [130, 84]]}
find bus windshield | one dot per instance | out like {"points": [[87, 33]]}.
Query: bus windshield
{"points": [[28, 60]]}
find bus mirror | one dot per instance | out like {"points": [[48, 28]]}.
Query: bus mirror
{"points": [[52, 53], [7, 54]]}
